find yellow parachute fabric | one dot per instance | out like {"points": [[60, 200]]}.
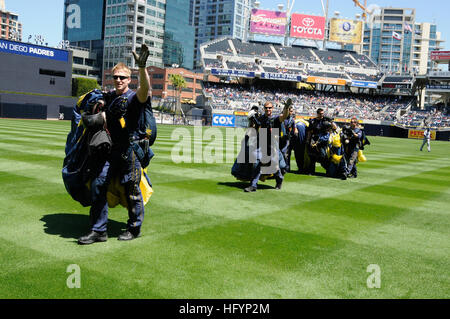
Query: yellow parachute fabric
{"points": [[81, 99], [336, 140], [145, 187], [303, 121], [116, 192], [361, 156], [336, 159]]}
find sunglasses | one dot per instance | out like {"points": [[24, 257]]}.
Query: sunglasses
{"points": [[122, 77], [268, 108]]}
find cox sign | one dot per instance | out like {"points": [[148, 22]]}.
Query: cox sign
{"points": [[224, 120], [307, 26]]}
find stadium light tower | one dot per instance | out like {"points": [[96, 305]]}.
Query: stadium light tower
{"points": [[325, 12], [289, 7]]}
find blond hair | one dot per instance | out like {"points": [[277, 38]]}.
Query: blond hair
{"points": [[121, 66]]}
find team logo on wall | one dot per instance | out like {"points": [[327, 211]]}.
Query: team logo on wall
{"points": [[346, 26], [345, 31]]}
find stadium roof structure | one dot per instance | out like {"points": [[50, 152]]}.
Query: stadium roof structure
{"points": [[229, 57], [437, 83], [402, 83]]}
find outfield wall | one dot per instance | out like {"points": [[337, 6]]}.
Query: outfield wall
{"points": [[31, 106], [400, 132]]}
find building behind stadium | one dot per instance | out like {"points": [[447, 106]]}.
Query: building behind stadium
{"points": [[173, 30], [410, 51], [161, 86], [10, 27], [113, 29], [212, 20]]}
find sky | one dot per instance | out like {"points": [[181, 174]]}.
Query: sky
{"points": [[45, 17]]}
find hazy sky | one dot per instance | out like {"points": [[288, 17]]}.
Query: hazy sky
{"points": [[45, 17]]}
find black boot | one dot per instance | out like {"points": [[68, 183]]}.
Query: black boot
{"points": [[93, 237], [279, 182], [129, 234]]}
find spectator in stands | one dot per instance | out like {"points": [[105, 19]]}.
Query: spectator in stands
{"points": [[378, 107]]}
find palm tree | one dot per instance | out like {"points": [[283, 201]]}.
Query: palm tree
{"points": [[178, 82]]}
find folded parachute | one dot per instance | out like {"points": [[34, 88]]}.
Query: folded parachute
{"points": [[76, 165]]}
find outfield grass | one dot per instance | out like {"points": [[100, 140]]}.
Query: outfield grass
{"points": [[203, 237]]}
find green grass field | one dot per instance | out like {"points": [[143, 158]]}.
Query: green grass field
{"points": [[203, 237]]}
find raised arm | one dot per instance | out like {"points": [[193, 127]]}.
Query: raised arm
{"points": [[285, 112], [143, 90]]}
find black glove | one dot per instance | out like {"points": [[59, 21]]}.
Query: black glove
{"points": [[288, 103], [141, 59]]}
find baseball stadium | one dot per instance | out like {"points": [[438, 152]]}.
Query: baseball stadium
{"points": [[380, 234]]}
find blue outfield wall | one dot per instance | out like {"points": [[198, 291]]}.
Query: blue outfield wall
{"points": [[35, 106]]}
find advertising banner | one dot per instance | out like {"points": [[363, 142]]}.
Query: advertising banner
{"points": [[238, 73], [223, 120], [419, 134], [346, 31], [440, 55], [395, 86], [307, 26], [281, 76], [364, 84], [438, 87], [320, 80], [33, 50], [268, 22], [439, 74]]}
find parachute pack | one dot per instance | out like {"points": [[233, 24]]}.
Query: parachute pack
{"points": [[77, 165], [75, 172], [144, 135]]}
